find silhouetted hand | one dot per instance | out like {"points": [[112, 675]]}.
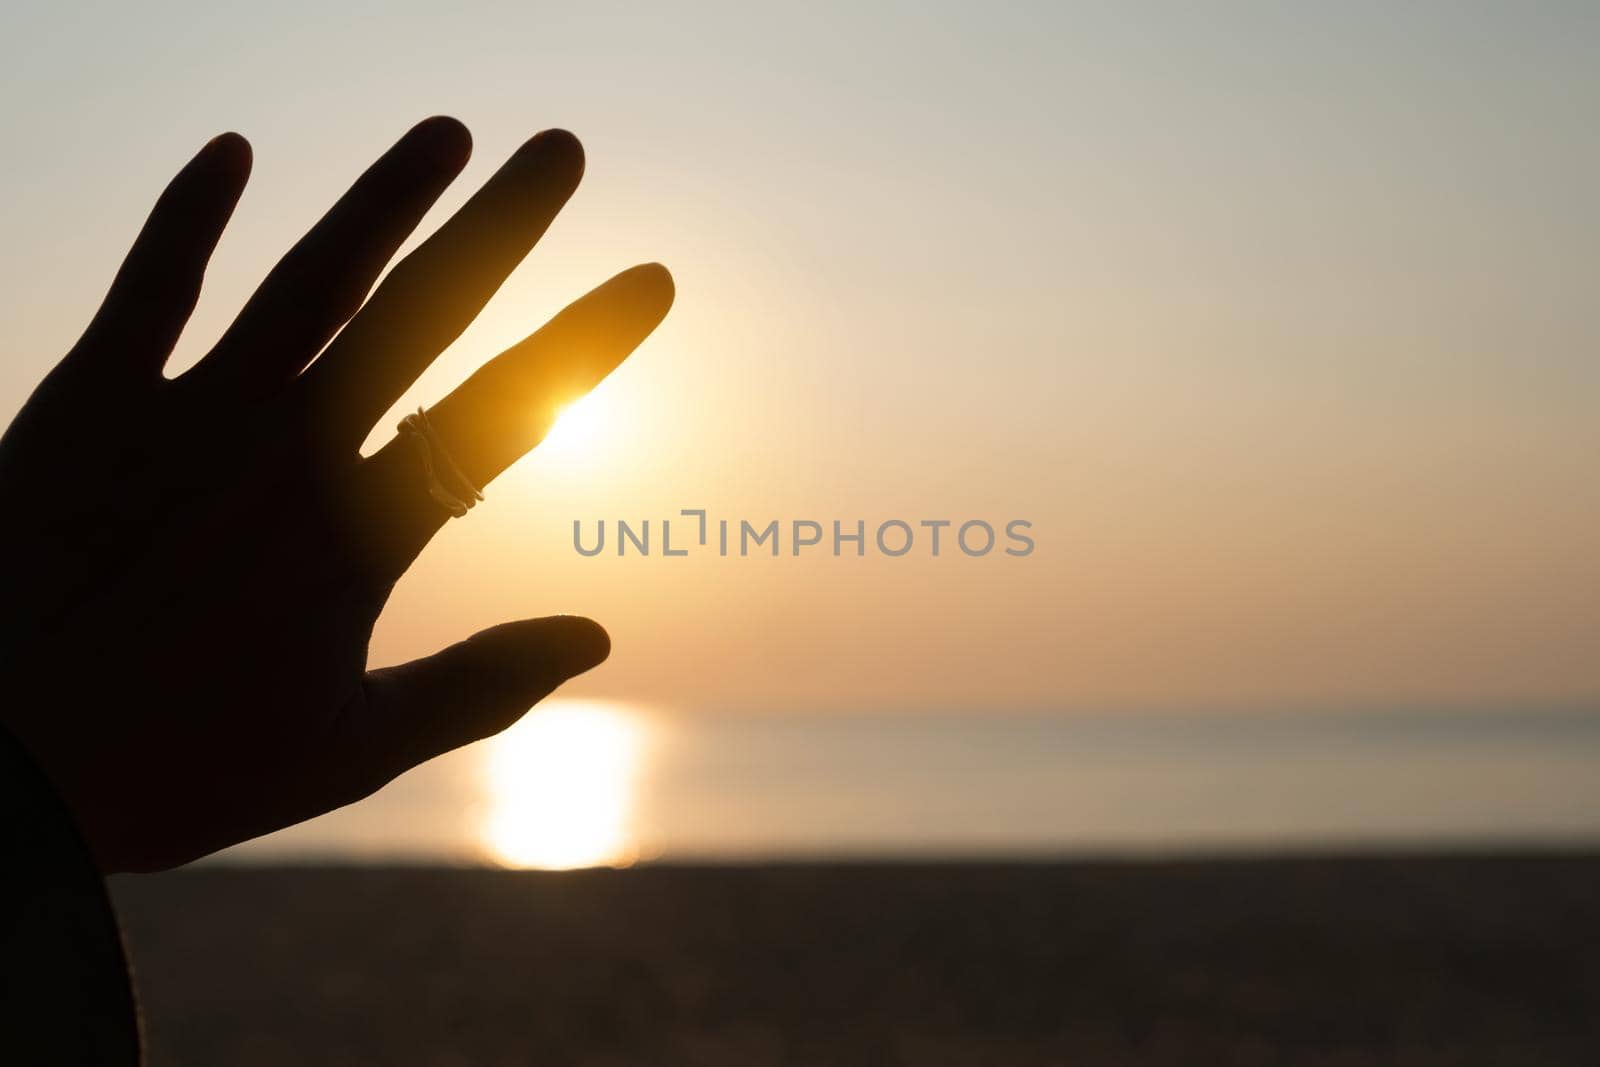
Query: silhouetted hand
{"points": [[192, 567]]}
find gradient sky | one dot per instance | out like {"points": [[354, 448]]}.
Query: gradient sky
{"points": [[1277, 321]]}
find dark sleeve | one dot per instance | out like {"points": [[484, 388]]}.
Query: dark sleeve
{"points": [[65, 995]]}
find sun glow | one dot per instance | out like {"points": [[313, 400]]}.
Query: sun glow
{"points": [[561, 786], [579, 426]]}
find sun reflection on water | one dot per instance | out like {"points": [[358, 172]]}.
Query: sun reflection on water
{"points": [[561, 785]]}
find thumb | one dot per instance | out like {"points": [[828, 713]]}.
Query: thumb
{"points": [[469, 691]]}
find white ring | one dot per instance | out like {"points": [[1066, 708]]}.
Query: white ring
{"points": [[457, 500]]}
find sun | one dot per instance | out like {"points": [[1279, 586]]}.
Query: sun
{"points": [[560, 785], [579, 426]]}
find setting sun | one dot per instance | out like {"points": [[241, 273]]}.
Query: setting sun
{"points": [[560, 786], [578, 426]]}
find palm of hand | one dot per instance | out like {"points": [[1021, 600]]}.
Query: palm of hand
{"points": [[197, 563]]}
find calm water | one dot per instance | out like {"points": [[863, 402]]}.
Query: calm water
{"points": [[581, 783]]}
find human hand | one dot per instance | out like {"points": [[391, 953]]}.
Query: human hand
{"points": [[193, 566]]}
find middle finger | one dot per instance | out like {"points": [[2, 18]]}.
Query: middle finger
{"points": [[436, 291]]}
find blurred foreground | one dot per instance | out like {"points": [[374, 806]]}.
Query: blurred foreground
{"points": [[1319, 961]]}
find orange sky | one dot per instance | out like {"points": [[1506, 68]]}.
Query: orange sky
{"points": [[1278, 329]]}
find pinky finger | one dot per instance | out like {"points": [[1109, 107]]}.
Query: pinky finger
{"points": [[158, 284]]}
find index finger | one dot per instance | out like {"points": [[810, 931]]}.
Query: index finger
{"points": [[507, 407]]}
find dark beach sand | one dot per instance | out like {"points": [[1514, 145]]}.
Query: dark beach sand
{"points": [[1315, 961]]}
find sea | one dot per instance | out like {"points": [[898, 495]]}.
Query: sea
{"points": [[590, 783]]}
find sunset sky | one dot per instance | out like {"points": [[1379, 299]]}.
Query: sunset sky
{"points": [[1277, 322]]}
